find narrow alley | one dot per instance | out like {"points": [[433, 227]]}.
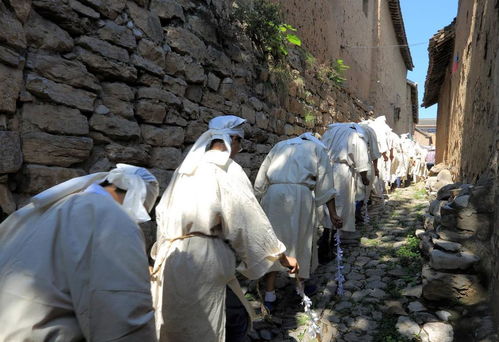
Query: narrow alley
{"points": [[382, 298], [175, 170]]}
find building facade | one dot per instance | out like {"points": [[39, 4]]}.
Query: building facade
{"points": [[369, 36], [463, 79]]}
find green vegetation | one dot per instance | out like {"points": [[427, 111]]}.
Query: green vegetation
{"points": [[420, 194], [310, 59], [309, 118], [249, 297], [281, 77], [410, 255], [263, 23], [370, 242], [302, 319], [334, 72]]}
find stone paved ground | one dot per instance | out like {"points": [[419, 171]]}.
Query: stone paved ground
{"points": [[382, 282]]}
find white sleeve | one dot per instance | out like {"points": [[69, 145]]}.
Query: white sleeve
{"points": [[359, 153]]}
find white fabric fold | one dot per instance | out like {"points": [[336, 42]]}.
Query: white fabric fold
{"points": [[353, 125], [131, 178], [221, 127], [310, 137], [306, 136]]}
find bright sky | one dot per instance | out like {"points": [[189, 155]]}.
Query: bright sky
{"points": [[422, 19]]}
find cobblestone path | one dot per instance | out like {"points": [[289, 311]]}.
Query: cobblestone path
{"points": [[382, 273]]}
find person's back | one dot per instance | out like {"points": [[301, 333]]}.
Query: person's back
{"points": [[293, 181], [74, 269], [207, 216], [293, 164], [349, 153], [48, 285]]}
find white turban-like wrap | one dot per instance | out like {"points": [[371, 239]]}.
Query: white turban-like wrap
{"points": [[306, 136], [221, 127], [140, 185], [354, 125]]}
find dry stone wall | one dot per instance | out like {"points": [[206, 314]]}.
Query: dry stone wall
{"points": [[90, 83]]}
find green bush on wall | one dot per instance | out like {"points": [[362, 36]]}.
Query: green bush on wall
{"points": [[263, 23]]}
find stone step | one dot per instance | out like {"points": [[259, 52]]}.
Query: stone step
{"points": [[447, 245], [441, 260]]}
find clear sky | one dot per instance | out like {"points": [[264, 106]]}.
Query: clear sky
{"points": [[422, 19]]}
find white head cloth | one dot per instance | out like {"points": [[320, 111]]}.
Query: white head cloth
{"points": [[354, 125], [221, 127], [306, 136], [140, 185]]}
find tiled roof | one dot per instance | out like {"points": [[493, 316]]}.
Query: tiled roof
{"points": [[440, 52], [398, 25]]}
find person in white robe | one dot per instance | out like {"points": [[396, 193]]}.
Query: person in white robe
{"points": [[294, 179], [348, 152], [206, 218], [398, 164], [420, 170], [382, 131], [409, 151], [73, 264], [374, 154]]}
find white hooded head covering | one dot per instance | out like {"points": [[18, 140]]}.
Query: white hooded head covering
{"points": [[141, 187], [306, 136], [353, 125], [221, 127]]}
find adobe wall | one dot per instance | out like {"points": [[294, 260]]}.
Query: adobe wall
{"points": [[89, 84], [424, 140], [468, 116], [391, 91], [468, 101], [327, 30], [349, 30]]}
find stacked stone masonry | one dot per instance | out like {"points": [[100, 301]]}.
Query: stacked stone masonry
{"points": [[86, 84], [458, 246]]}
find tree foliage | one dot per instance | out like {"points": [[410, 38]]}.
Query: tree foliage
{"points": [[263, 23]]}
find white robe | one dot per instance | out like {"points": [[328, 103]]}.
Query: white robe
{"points": [[420, 170], [191, 274], [349, 153], [74, 271], [374, 154], [408, 149], [293, 180], [398, 164], [383, 138]]}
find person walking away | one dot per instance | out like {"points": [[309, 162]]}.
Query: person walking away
{"points": [[207, 217], [73, 264], [294, 179]]}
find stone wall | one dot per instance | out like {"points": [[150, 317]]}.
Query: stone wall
{"points": [[90, 83], [468, 114], [349, 30]]}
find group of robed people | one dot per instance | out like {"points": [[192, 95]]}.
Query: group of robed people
{"points": [[73, 264]]}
